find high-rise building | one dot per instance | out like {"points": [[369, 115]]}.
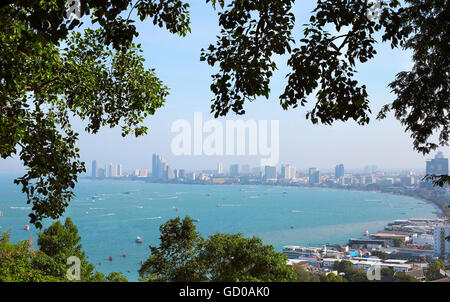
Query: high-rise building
{"points": [[157, 166], [219, 169], [113, 170], [119, 170], [169, 173], [287, 172], [94, 169], [441, 245], [270, 173], [339, 171], [234, 170], [314, 176], [438, 165], [108, 170], [101, 173], [182, 173]]}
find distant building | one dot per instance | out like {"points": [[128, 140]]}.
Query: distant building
{"points": [[234, 170], [143, 173], [441, 245], [370, 169], [219, 169], [438, 165], [270, 173], [157, 166], [119, 170], [314, 176], [287, 172], [339, 171], [94, 169], [169, 173], [101, 173], [113, 170], [388, 181], [369, 179], [347, 180], [108, 170], [408, 180]]}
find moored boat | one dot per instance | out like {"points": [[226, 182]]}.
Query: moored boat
{"points": [[139, 239]]}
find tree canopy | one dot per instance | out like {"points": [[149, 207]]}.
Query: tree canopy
{"points": [[49, 263], [50, 72], [184, 256]]}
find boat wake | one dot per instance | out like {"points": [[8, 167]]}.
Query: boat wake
{"points": [[151, 218], [109, 214], [172, 197], [20, 208]]}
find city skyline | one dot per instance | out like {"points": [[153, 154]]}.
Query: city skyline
{"points": [[161, 169]]}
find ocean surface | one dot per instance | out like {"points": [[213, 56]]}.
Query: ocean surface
{"points": [[110, 214]]}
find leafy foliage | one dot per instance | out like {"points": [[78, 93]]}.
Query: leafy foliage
{"points": [[304, 276], [42, 86], [432, 272], [99, 77], [332, 278], [324, 63], [231, 257], [184, 256], [21, 263], [15, 264], [350, 274], [176, 257], [252, 32], [57, 243]]}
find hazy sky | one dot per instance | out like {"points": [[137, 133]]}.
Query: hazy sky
{"points": [[176, 60]]}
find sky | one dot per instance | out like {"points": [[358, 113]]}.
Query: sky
{"points": [[302, 144]]}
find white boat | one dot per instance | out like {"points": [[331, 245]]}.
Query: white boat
{"points": [[139, 239], [27, 228], [196, 219]]}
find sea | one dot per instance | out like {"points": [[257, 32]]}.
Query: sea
{"points": [[111, 214]]}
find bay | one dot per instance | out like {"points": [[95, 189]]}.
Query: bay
{"points": [[110, 214]]}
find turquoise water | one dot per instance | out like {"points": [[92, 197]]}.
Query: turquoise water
{"points": [[123, 210]]}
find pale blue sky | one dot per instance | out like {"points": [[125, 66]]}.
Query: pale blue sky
{"points": [[176, 60]]}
